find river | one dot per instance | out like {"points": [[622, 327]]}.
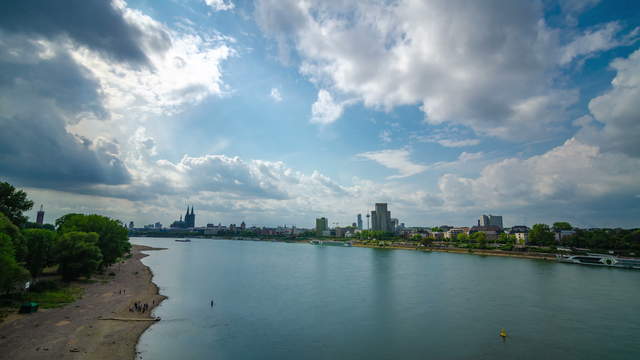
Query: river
{"points": [[298, 301]]}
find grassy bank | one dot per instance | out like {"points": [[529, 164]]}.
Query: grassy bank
{"points": [[54, 294]]}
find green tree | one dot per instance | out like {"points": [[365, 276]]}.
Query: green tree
{"points": [[541, 234], [40, 244], [415, 237], [436, 229], [11, 274], [14, 234], [480, 238], [507, 239], [13, 202], [562, 225], [462, 237], [426, 241], [113, 236], [78, 254]]}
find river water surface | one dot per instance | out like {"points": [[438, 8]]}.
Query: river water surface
{"points": [[298, 301]]}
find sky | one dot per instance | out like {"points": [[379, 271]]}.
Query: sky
{"points": [[276, 112]]}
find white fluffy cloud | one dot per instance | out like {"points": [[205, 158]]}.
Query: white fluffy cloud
{"points": [[499, 81], [219, 5], [617, 111], [325, 110], [572, 173]]}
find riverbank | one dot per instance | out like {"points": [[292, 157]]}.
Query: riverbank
{"points": [[486, 252], [98, 326]]}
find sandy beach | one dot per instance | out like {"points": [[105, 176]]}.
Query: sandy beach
{"points": [[97, 326]]}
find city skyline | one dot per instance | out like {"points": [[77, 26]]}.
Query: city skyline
{"points": [[284, 111]]}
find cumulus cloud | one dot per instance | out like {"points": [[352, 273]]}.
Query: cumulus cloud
{"points": [[397, 159], [220, 5], [569, 174], [95, 24], [275, 95], [69, 89], [617, 111], [325, 110], [498, 81]]}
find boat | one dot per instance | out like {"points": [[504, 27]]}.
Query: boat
{"points": [[600, 260], [331, 243], [183, 240]]}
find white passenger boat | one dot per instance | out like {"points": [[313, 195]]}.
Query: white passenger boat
{"points": [[600, 260]]}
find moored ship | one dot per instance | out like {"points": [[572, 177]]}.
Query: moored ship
{"points": [[600, 260], [330, 243]]}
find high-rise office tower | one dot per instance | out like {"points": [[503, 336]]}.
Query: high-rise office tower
{"points": [[40, 216], [381, 218], [322, 224], [359, 223]]}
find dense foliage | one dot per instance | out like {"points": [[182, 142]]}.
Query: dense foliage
{"points": [[11, 273], [15, 236], [610, 239], [113, 238], [78, 254], [40, 243], [541, 234], [13, 202], [561, 225]]}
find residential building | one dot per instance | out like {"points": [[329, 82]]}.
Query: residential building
{"points": [[492, 231], [452, 234], [522, 238]]}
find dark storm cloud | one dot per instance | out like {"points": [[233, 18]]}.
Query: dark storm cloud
{"points": [[36, 150], [96, 24], [40, 96]]}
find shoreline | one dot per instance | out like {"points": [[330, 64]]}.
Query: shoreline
{"points": [[156, 293], [484, 252], [99, 325]]}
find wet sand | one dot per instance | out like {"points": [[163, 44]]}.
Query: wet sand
{"points": [[97, 326]]}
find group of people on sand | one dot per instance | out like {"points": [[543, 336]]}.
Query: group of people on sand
{"points": [[139, 307]]}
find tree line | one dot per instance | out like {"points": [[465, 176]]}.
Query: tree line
{"points": [[80, 245]]}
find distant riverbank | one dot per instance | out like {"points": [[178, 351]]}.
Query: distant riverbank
{"points": [[525, 255], [97, 326]]}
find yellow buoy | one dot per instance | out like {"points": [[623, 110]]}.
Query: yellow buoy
{"points": [[503, 333]]}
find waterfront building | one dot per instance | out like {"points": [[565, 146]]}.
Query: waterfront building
{"points": [[490, 220], [40, 216], [518, 229], [322, 224], [381, 218], [158, 225], [492, 231], [131, 225], [522, 238], [453, 232], [359, 222], [243, 226]]}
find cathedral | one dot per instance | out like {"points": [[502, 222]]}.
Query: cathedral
{"points": [[188, 222]]}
